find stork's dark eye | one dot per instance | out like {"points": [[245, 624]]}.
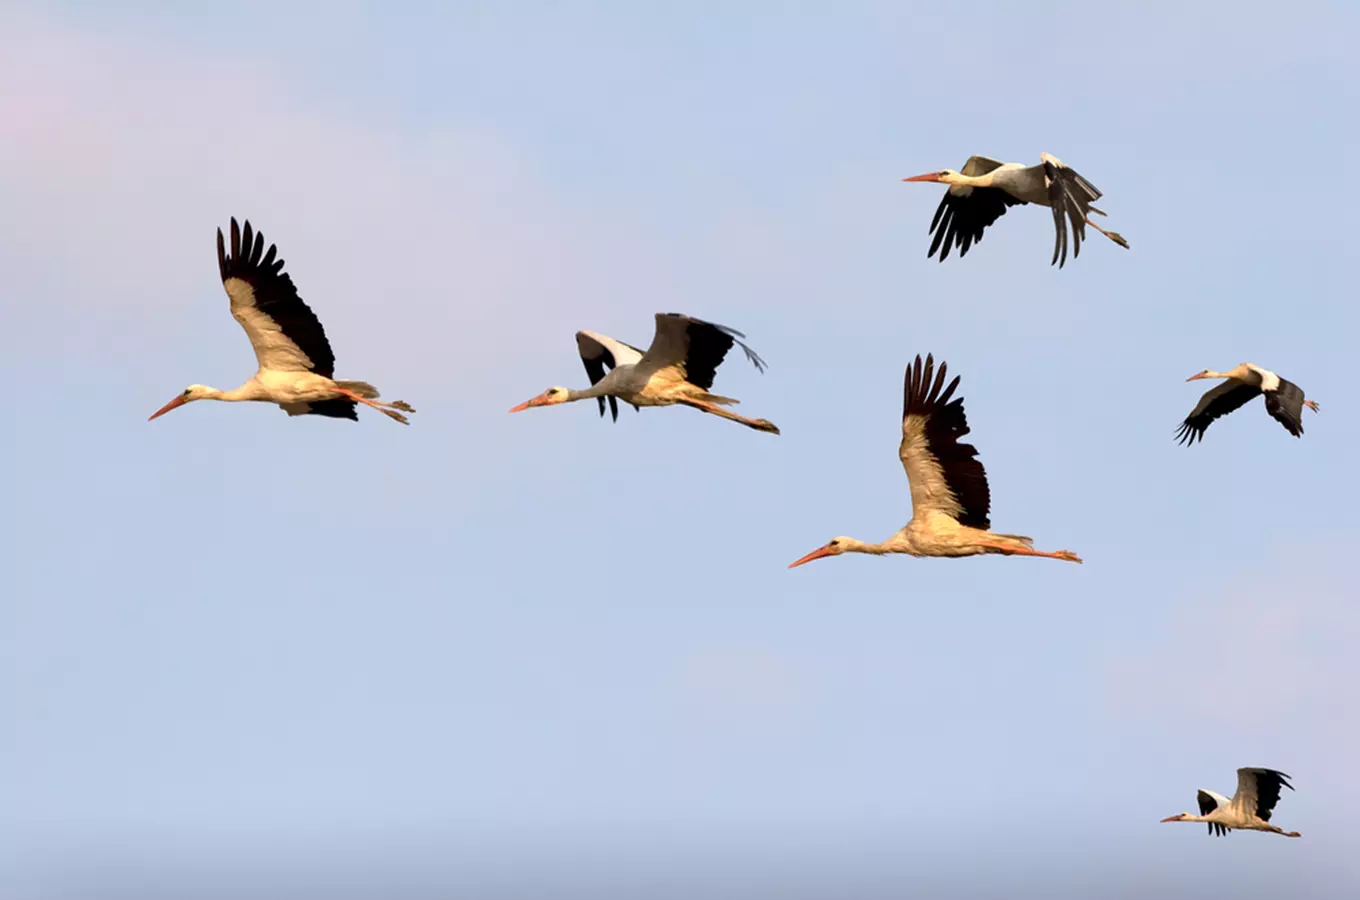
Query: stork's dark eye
{"points": [[186, 392], [834, 544]]}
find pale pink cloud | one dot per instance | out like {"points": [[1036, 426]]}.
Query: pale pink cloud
{"points": [[445, 248]]}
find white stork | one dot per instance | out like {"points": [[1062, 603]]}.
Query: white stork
{"points": [[949, 494], [981, 193], [1258, 790], [678, 368], [1284, 400], [296, 362]]}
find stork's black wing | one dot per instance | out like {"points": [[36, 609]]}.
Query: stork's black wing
{"points": [[1268, 784], [1285, 405], [600, 352], [1071, 197], [697, 346], [1217, 402], [1208, 804], [286, 334], [961, 217], [944, 473]]}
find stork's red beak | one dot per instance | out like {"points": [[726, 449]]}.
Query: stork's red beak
{"points": [[815, 554], [532, 401], [1196, 377], [178, 401], [929, 176], [1175, 818]]}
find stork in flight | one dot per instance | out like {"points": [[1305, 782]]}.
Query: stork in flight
{"points": [[982, 192], [1284, 400], [1258, 790], [949, 493], [678, 368], [296, 362]]}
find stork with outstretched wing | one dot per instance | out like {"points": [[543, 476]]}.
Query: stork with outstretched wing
{"points": [[1258, 790], [677, 369], [986, 188], [1244, 383], [950, 499], [296, 363]]}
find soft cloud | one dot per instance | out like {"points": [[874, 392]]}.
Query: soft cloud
{"points": [[1127, 50], [124, 154], [1255, 651]]}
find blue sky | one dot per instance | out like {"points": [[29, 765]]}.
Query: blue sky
{"points": [[511, 651]]}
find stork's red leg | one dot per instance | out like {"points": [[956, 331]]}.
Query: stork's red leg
{"points": [[1112, 235], [757, 424], [1009, 550]]}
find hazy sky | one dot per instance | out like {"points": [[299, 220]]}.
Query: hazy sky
{"points": [[547, 653]]}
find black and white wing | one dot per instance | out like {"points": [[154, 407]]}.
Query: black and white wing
{"points": [[600, 352], [1258, 790], [1216, 402], [1071, 197], [286, 334], [965, 212], [1208, 803], [945, 475], [695, 346], [1285, 405]]}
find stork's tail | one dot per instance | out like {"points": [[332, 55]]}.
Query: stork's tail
{"points": [[362, 388], [1018, 539], [369, 392], [721, 400]]}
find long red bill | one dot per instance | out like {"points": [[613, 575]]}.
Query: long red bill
{"points": [[929, 176], [815, 554], [178, 401]]}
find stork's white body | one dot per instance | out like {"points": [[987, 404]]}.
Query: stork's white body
{"points": [[657, 381]]}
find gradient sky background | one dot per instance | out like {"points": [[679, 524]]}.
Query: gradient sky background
{"points": [[543, 653]]}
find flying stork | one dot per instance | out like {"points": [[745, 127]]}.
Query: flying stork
{"points": [[986, 188], [1284, 400], [949, 493], [296, 362], [677, 368], [1258, 790]]}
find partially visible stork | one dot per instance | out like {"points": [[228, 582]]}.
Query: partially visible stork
{"points": [[678, 368], [986, 188], [1258, 790], [295, 359], [1284, 400], [949, 494]]}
